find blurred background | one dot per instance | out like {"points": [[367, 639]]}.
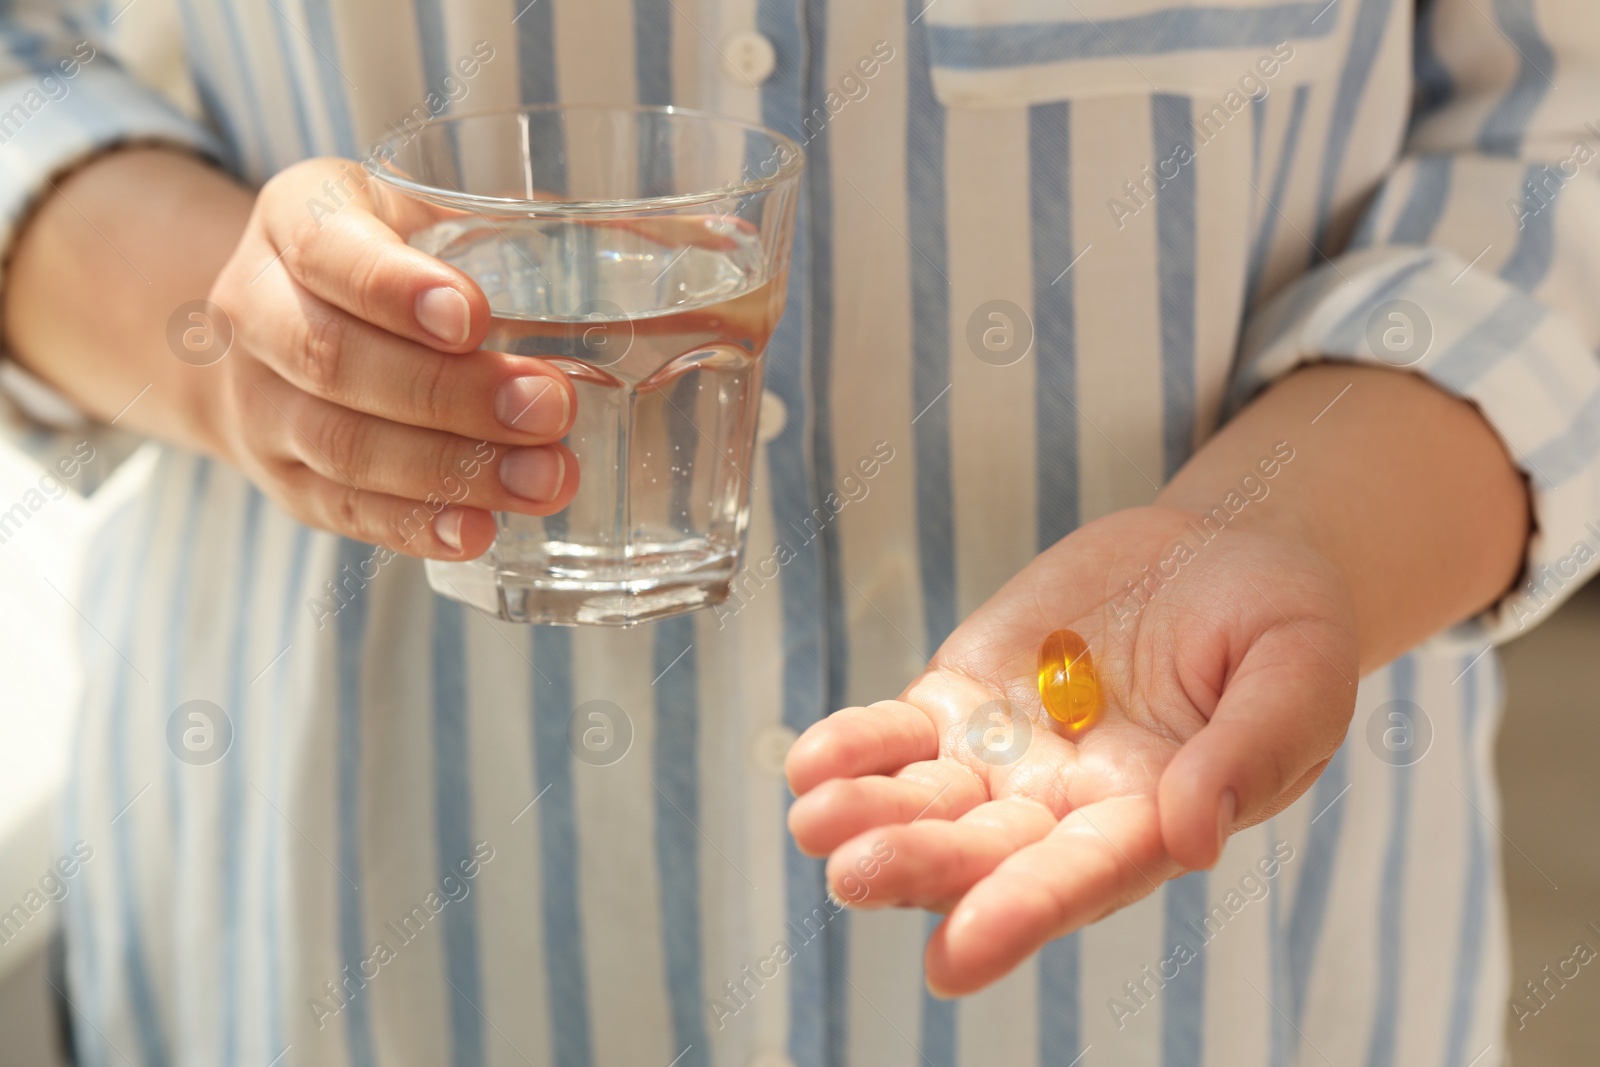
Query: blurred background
{"points": [[1549, 753]]}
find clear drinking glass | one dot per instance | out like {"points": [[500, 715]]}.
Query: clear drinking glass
{"points": [[644, 252]]}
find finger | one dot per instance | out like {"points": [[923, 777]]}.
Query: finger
{"points": [[930, 863], [879, 739], [404, 526], [329, 353], [1281, 718], [355, 262], [1098, 859], [405, 461], [838, 810]]}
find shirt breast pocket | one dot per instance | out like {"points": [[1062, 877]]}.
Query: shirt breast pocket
{"points": [[1142, 124], [1000, 53]]}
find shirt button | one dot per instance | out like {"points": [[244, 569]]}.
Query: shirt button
{"points": [[774, 414], [770, 749], [750, 56], [772, 1059]]}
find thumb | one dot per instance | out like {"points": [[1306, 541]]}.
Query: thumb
{"points": [[1281, 718]]}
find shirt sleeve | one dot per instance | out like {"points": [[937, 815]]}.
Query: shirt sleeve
{"points": [[1477, 265], [64, 98]]}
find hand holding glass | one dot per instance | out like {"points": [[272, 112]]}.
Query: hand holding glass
{"points": [[644, 252]]}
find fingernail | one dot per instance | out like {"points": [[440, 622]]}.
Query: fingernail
{"points": [[444, 313], [1227, 809], [447, 526], [534, 404], [533, 473]]}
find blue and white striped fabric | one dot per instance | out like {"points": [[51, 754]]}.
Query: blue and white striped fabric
{"points": [[1156, 185]]}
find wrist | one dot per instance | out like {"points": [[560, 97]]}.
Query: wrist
{"points": [[1254, 490], [100, 326], [1402, 487]]}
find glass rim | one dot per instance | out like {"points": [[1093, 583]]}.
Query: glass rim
{"points": [[390, 147]]}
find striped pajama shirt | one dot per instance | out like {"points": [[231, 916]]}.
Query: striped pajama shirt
{"points": [[401, 859]]}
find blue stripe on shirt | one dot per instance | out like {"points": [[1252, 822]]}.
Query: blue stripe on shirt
{"points": [[930, 326], [272, 899], [135, 961], [350, 625], [1430, 192], [1475, 893], [1179, 29], [652, 66], [85, 982], [1278, 992], [1285, 314], [1309, 909], [1280, 184], [652, 51], [320, 30], [1506, 126], [207, 88], [432, 38], [536, 57], [452, 795], [1530, 260], [1482, 347], [1055, 321], [676, 770], [1258, 131], [566, 969], [813, 1039], [1362, 55], [231, 798], [260, 144], [818, 191], [1434, 85], [1391, 885], [1573, 452], [1347, 334], [32, 48], [178, 623], [295, 82], [1170, 123]]}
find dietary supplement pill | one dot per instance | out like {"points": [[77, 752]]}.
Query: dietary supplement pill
{"points": [[1068, 687]]}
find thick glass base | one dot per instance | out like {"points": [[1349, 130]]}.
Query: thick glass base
{"points": [[560, 602]]}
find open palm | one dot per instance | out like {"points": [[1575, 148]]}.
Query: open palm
{"points": [[1224, 693]]}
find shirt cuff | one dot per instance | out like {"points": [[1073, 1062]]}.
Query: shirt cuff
{"points": [[1525, 367], [43, 136]]}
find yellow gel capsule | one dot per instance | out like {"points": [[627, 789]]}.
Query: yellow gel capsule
{"points": [[1068, 687]]}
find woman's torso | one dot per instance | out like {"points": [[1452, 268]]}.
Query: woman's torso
{"points": [[1094, 186]]}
